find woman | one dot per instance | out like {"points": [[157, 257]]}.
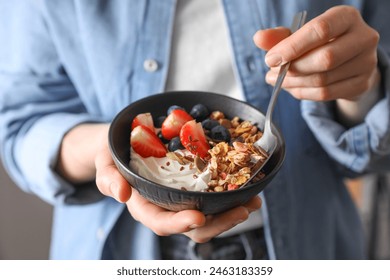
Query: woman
{"points": [[67, 67]]}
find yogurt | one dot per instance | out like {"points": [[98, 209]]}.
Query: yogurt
{"points": [[171, 173]]}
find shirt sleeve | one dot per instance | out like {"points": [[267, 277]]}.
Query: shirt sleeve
{"points": [[362, 148], [38, 105]]}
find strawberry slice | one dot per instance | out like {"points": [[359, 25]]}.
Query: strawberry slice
{"points": [[173, 123], [145, 119], [193, 139], [146, 143]]}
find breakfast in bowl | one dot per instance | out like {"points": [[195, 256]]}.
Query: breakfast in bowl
{"points": [[197, 150], [193, 171]]}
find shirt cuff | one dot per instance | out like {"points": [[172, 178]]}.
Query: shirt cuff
{"points": [[42, 141], [361, 147]]}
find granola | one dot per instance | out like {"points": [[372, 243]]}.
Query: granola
{"points": [[231, 163]]}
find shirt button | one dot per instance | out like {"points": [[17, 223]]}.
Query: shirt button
{"points": [[150, 65], [251, 64], [100, 234]]}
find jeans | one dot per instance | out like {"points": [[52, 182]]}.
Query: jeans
{"points": [[248, 245]]}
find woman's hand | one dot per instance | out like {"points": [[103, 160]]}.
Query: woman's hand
{"points": [[192, 223], [334, 56], [108, 178]]}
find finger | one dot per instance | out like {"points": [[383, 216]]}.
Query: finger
{"points": [[267, 38], [335, 53], [364, 63], [253, 204], [108, 179], [216, 224], [346, 89], [161, 221], [319, 31], [219, 223]]}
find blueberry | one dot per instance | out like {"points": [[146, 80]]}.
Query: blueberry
{"points": [[220, 133], [159, 121], [175, 144], [165, 141], [199, 112], [174, 107], [208, 124]]}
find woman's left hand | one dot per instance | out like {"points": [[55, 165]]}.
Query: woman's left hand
{"points": [[192, 223]]}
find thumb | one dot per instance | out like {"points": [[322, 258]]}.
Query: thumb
{"points": [[267, 38]]}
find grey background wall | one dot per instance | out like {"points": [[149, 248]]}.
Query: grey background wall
{"points": [[25, 223]]}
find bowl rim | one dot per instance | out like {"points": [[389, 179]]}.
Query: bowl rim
{"points": [[118, 160]]}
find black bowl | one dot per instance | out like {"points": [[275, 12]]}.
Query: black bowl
{"points": [[174, 199]]}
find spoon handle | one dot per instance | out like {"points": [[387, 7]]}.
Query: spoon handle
{"points": [[298, 21]]}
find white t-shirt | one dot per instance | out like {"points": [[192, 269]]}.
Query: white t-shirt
{"points": [[201, 58]]}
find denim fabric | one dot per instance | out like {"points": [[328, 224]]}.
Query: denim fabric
{"points": [[249, 245], [67, 62]]}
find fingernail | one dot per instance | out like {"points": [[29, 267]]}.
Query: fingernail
{"points": [[237, 222], [114, 189], [273, 60], [194, 226], [250, 210]]}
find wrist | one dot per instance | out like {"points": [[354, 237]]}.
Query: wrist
{"points": [[353, 112], [78, 150]]}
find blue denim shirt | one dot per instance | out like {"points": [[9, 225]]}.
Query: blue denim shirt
{"points": [[67, 62]]}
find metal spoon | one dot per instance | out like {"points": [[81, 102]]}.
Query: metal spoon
{"points": [[268, 141]]}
